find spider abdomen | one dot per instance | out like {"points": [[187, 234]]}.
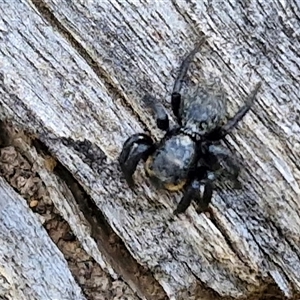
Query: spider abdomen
{"points": [[171, 163]]}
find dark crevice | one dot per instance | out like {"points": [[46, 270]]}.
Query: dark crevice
{"points": [[14, 168], [101, 73], [110, 245]]}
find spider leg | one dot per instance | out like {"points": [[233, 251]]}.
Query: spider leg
{"points": [[137, 147], [204, 201], [176, 96], [231, 124], [162, 119], [221, 132], [217, 162], [200, 191], [221, 162]]}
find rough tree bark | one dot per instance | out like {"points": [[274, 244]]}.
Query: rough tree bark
{"points": [[72, 76]]}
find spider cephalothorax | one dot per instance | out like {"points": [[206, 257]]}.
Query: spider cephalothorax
{"points": [[190, 155]]}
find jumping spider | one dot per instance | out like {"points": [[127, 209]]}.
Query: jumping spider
{"points": [[190, 155]]}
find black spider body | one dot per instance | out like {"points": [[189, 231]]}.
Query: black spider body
{"points": [[190, 155]]}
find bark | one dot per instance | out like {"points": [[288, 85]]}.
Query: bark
{"points": [[72, 76], [29, 260]]}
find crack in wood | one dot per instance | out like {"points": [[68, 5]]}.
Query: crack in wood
{"points": [[108, 242], [60, 232], [111, 86]]}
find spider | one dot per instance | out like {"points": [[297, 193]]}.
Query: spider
{"points": [[190, 155]]}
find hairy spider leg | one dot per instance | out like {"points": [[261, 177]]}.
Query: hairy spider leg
{"points": [[193, 192], [137, 147], [221, 162], [204, 201], [221, 132], [162, 119], [176, 95]]}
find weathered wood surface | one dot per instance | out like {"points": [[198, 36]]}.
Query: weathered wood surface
{"points": [[29, 260], [78, 72]]}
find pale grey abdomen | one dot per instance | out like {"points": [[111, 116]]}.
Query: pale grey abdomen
{"points": [[169, 166]]}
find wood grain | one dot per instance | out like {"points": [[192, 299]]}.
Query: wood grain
{"points": [[79, 70], [31, 265]]}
